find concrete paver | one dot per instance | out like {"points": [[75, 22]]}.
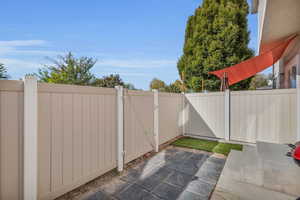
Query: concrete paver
{"points": [[171, 174]]}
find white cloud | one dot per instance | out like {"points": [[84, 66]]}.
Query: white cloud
{"points": [[129, 74], [37, 52], [16, 48], [19, 64], [22, 43], [26, 56], [136, 63], [23, 56]]}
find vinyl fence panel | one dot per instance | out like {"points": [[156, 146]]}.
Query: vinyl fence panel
{"points": [[76, 136], [205, 114], [11, 139], [138, 124], [268, 116], [170, 116]]}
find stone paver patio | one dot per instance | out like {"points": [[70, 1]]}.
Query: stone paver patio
{"points": [[171, 174]]}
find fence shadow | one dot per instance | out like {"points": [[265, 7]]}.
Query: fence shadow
{"points": [[196, 124], [173, 174]]}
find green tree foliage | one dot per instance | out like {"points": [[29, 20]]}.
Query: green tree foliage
{"points": [[3, 72], [259, 81], [68, 70], [111, 81], [108, 81], [216, 37], [176, 87], [130, 86], [158, 85]]}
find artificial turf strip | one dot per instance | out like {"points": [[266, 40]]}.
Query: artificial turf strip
{"points": [[207, 145]]}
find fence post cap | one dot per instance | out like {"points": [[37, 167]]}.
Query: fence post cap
{"points": [[30, 77], [118, 87]]}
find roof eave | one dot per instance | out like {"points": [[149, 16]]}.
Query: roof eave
{"points": [[254, 6]]}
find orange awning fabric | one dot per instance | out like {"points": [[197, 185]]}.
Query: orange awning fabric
{"points": [[269, 55]]}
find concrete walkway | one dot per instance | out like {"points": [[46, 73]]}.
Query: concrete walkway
{"points": [[261, 172], [171, 174]]}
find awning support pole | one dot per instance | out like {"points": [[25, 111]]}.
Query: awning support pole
{"points": [[224, 83]]}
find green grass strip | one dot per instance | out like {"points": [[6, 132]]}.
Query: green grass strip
{"points": [[207, 145]]}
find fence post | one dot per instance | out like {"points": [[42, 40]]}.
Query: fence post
{"points": [[298, 98], [227, 114], [183, 113], [120, 129], [156, 120], [30, 138]]}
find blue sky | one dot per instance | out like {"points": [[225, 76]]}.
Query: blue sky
{"points": [[137, 39]]}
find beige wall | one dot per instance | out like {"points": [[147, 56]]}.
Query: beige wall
{"points": [[170, 116], [293, 62], [11, 140], [76, 136], [268, 116], [280, 19], [205, 114]]}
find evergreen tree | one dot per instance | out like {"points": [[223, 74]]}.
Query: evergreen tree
{"points": [[216, 37], [3, 72]]}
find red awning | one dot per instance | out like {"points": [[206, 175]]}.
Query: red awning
{"points": [[270, 54]]}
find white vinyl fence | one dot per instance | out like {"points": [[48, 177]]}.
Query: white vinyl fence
{"points": [[78, 134], [83, 132], [268, 115]]}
